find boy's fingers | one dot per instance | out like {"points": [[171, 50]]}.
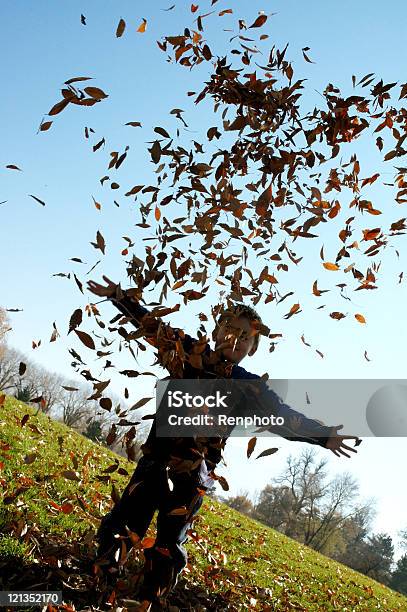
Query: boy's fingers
{"points": [[349, 448]]}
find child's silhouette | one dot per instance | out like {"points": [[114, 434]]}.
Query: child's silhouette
{"points": [[160, 480]]}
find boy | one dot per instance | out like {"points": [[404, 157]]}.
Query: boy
{"points": [[174, 473]]}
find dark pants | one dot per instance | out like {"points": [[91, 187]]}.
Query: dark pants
{"points": [[147, 491]]}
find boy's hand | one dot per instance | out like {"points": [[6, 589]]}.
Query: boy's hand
{"points": [[104, 291], [335, 443]]}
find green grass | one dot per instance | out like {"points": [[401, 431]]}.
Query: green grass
{"points": [[232, 557]]}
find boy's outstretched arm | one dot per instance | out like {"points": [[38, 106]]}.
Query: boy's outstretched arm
{"points": [[172, 343], [298, 427]]}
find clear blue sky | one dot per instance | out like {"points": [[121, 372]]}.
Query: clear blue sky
{"points": [[43, 44]]}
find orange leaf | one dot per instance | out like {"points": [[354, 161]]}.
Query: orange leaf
{"points": [[157, 213], [360, 318], [148, 542], [330, 266], [194, 8], [261, 20], [142, 27], [250, 446]]}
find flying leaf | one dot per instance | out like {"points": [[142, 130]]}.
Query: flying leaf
{"points": [[337, 315], [360, 318], [58, 107], [330, 266], [142, 27], [75, 320], [134, 123], [45, 126], [250, 446], [268, 451], [22, 368], [261, 20], [100, 242], [85, 338], [120, 28], [83, 19], [140, 403], [307, 59], [162, 132], [37, 199], [95, 92]]}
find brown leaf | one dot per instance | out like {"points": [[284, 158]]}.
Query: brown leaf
{"points": [[337, 315], [78, 282], [76, 79], [13, 167], [96, 93], [134, 190], [178, 511], [58, 107], [268, 451], [307, 59], [70, 475], [261, 20], [85, 338], [45, 126], [162, 132], [28, 459], [134, 123], [37, 199], [83, 19], [141, 402], [250, 446], [100, 242], [75, 320], [360, 318], [120, 28], [22, 368]]}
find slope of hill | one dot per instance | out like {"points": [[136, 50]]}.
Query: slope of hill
{"points": [[56, 484]]}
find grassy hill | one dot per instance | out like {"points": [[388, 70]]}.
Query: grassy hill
{"points": [[56, 484]]}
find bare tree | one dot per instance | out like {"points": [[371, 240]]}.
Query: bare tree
{"points": [[4, 328], [74, 407], [10, 360], [303, 505]]}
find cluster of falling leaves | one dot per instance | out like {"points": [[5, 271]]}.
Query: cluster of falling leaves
{"points": [[296, 186]]}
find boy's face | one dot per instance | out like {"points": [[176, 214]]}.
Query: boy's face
{"points": [[237, 334]]}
